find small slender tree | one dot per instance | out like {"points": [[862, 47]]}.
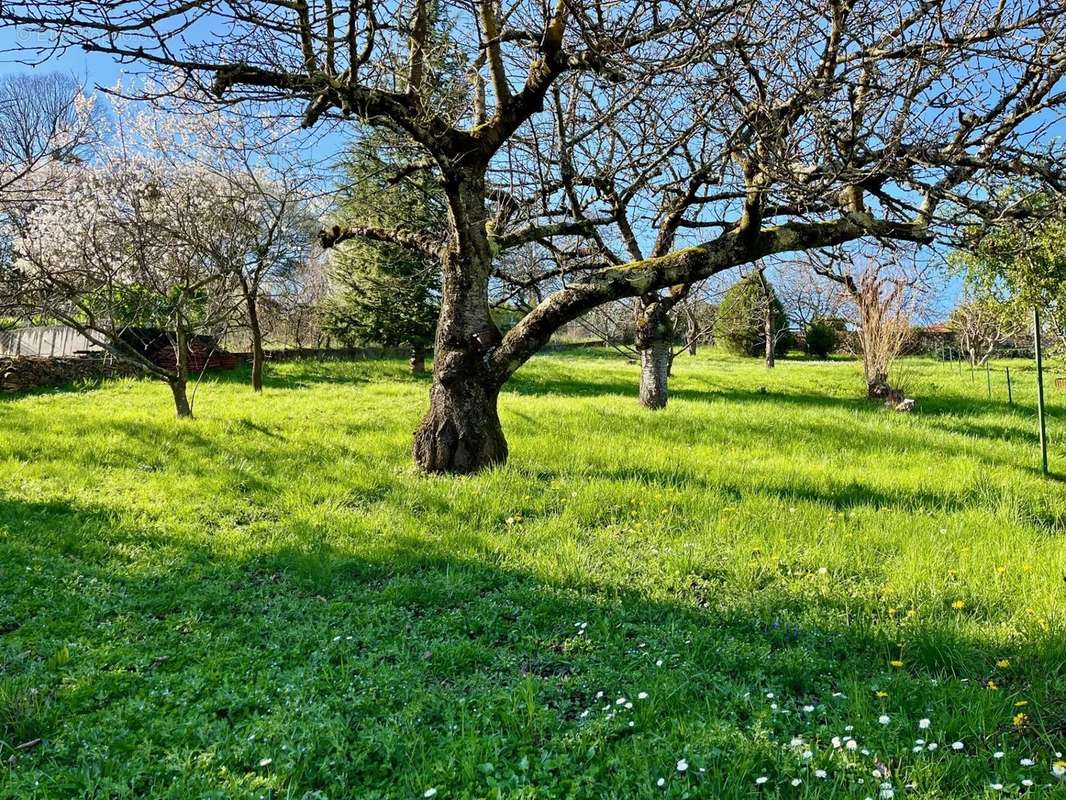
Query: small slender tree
{"points": [[269, 189], [982, 324], [125, 243], [1020, 264]]}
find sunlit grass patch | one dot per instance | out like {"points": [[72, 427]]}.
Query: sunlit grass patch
{"points": [[270, 602]]}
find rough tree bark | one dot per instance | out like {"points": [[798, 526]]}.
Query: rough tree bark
{"points": [[653, 343], [461, 432]]}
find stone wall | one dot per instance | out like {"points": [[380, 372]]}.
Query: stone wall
{"points": [[24, 373]]}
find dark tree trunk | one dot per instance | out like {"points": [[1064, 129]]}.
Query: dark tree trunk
{"points": [[257, 342], [878, 387], [179, 382], [461, 432], [181, 397], [653, 342], [418, 360]]}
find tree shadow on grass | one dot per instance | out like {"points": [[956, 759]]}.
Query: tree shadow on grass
{"points": [[311, 667]]}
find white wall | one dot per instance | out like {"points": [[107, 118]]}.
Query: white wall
{"points": [[51, 340]]}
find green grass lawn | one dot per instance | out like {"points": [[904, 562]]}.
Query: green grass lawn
{"points": [[269, 602]]}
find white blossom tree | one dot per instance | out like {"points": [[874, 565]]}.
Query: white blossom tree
{"points": [[270, 191], [130, 243]]}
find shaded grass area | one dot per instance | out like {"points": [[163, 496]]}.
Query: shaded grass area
{"points": [[269, 602]]}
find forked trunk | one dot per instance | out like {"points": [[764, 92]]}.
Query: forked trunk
{"points": [[418, 360], [461, 432], [654, 374]]}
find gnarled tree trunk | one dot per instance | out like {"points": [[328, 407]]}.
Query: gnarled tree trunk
{"points": [[653, 342], [461, 432]]}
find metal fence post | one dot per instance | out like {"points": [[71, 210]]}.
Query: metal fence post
{"points": [[1040, 391]]}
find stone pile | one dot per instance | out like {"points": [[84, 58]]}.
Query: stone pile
{"points": [[26, 372]]}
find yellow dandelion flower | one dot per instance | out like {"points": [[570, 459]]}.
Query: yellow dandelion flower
{"points": [[1020, 720], [1003, 663], [911, 613], [992, 685], [881, 695], [1000, 570], [897, 664], [958, 605]]}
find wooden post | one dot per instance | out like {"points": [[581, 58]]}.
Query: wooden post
{"points": [[1010, 396], [1040, 391]]}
